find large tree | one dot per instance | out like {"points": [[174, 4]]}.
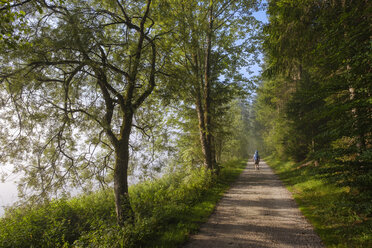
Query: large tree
{"points": [[214, 42], [70, 99]]}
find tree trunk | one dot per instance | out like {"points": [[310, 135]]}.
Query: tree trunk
{"points": [[202, 96], [200, 110], [215, 168], [203, 138], [361, 144], [207, 89], [124, 211]]}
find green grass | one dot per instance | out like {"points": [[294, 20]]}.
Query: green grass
{"points": [[339, 210], [167, 210]]}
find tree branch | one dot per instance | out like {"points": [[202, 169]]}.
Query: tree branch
{"points": [[14, 5], [102, 82]]}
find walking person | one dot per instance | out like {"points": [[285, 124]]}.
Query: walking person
{"points": [[256, 159]]}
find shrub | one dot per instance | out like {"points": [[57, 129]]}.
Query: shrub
{"points": [[166, 210]]}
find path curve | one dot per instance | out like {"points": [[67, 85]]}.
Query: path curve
{"points": [[257, 211]]}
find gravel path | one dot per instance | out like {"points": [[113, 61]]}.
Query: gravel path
{"points": [[257, 211]]}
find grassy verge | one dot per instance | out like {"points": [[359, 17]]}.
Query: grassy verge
{"points": [[189, 221], [339, 212], [166, 210]]}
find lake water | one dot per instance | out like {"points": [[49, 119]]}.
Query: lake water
{"points": [[9, 192], [8, 195]]}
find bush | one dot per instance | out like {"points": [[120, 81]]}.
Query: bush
{"points": [[55, 224], [166, 211]]}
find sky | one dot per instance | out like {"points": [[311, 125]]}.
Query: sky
{"points": [[261, 16]]}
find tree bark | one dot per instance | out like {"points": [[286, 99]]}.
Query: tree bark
{"points": [[200, 109], [124, 211], [207, 98], [361, 144], [202, 93], [203, 138]]}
